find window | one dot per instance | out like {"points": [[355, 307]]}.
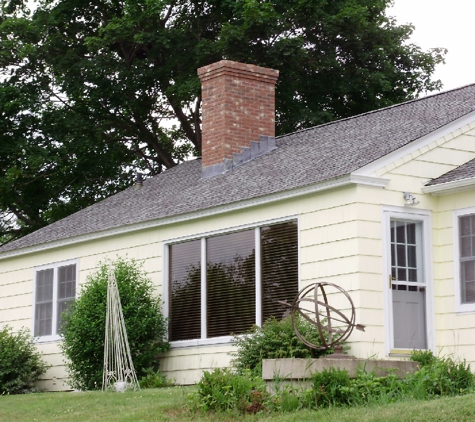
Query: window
{"points": [[55, 289], [222, 285], [464, 247]]}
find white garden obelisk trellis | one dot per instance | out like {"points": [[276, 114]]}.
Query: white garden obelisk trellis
{"points": [[119, 373]]}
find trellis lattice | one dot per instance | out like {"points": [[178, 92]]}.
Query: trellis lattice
{"points": [[118, 373]]}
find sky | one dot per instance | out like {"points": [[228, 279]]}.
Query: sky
{"points": [[443, 23]]}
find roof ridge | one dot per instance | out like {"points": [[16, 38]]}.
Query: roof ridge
{"points": [[357, 116]]}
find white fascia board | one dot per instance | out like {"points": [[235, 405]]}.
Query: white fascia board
{"points": [[450, 187], [417, 144], [342, 181]]}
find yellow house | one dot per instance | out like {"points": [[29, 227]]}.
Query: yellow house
{"points": [[381, 204]]}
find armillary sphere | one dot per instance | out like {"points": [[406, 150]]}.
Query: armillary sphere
{"points": [[334, 325]]}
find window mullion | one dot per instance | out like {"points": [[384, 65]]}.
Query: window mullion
{"points": [[257, 232], [54, 319], [204, 293]]}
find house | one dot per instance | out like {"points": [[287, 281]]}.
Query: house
{"points": [[381, 204]]}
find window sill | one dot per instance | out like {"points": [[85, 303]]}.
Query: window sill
{"points": [[201, 342], [48, 339]]}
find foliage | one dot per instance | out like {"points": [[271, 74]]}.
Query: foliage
{"points": [[441, 376], [90, 89], [223, 390], [275, 339], [170, 404], [83, 326], [21, 364], [331, 387], [154, 379]]}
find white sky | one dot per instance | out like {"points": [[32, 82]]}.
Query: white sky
{"points": [[443, 23]]}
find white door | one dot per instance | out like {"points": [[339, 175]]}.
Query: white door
{"points": [[407, 285]]}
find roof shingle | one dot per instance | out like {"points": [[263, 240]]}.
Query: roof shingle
{"points": [[300, 159]]}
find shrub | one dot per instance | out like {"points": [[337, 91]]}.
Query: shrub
{"points": [[223, 390], [275, 339], [332, 387], [154, 379], [83, 326], [440, 376], [21, 364]]}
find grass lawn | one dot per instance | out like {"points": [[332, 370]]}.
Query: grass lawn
{"points": [[168, 404]]}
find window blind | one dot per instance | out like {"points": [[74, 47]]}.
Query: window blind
{"points": [[279, 266], [185, 291]]}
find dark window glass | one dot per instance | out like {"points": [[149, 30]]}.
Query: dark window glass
{"points": [[44, 303], [231, 283], [279, 265], [185, 291], [467, 258]]}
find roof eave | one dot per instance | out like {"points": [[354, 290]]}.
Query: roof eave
{"points": [[449, 188], [338, 182]]}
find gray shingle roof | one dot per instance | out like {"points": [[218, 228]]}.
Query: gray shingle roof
{"points": [[301, 158], [465, 171]]}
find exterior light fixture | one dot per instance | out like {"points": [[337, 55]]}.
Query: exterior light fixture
{"points": [[410, 199]]}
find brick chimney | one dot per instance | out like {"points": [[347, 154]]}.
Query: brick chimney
{"points": [[238, 114]]}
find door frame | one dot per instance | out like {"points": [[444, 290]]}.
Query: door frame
{"points": [[425, 217]]}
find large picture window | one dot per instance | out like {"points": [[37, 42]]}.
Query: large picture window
{"points": [[55, 289], [222, 285]]}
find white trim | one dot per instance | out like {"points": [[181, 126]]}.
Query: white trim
{"points": [[416, 144], [165, 276], [450, 187], [257, 243], [203, 341], [239, 228], [460, 308], [346, 180], [425, 217], [53, 337], [204, 290]]}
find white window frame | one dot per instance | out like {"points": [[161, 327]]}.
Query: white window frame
{"points": [[425, 217], [54, 336], [460, 307], [203, 236]]}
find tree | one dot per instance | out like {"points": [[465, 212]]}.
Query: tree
{"points": [[83, 325], [113, 76]]}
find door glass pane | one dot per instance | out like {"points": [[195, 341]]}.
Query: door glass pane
{"points": [[401, 255], [400, 232]]}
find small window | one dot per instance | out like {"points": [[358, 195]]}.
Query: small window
{"points": [[223, 285], [464, 247], [55, 289]]}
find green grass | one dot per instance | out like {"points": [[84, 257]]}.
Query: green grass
{"points": [[168, 404]]}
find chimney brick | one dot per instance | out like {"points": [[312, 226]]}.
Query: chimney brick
{"points": [[238, 106]]}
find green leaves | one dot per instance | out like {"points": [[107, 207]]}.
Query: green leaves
{"points": [[83, 328], [105, 87], [21, 365]]}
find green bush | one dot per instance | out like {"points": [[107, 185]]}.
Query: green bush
{"points": [[275, 339], [21, 364], [83, 326], [440, 376], [223, 390], [331, 387], [154, 379]]}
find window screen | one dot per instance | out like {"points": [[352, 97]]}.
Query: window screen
{"points": [[467, 258]]}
